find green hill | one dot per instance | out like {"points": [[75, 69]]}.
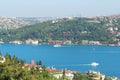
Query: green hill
{"points": [[76, 30]]}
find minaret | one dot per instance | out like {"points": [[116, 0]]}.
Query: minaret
{"points": [[32, 62]]}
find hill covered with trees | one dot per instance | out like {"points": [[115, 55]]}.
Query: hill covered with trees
{"points": [[102, 29]]}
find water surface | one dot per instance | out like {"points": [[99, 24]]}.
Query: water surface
{"points": [[73, 57]]}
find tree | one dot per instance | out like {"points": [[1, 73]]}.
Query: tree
{"points": [[80, 76], [63, 76]]}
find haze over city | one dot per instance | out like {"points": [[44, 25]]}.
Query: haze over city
{"points": [[58, 8]]}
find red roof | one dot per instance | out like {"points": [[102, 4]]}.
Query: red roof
{"points": [[52, 70], [32, 64]]}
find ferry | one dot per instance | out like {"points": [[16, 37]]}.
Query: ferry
{"points": [[57, 45], [94, 64]]}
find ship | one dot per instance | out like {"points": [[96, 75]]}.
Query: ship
{"points": [[57, 45], [94, 64]]}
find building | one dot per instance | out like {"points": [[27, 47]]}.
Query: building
{"points": [[2, 59], [59, 73], [16, 42], [67, 42], [30, 41], [33, 65], [114, 78], [94, 42], [95, 75], [58, 42]]}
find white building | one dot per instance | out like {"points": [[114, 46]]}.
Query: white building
{"points": [[2, 59], [30, 41], [98, 76]]}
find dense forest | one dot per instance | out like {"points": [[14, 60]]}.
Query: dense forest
{"points": [[76, 30]]}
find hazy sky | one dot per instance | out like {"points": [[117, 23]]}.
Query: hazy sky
{"points": [[60, 8]]}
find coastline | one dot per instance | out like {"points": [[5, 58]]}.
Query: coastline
{"points": [[22, 51]]}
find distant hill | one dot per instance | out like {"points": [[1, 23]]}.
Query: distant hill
{"points": [[7, 23], [115, 16]]}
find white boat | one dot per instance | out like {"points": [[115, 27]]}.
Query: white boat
{"points": [[1, 42], [57, 45], [94, 64]]}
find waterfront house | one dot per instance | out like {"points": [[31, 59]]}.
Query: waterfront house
{"points": [[51, 42], [59, 42], [16, 42], [84, 42], [30, 41], [94, 43], [67, 42]]}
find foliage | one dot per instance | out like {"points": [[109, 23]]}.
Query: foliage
{"points": [[76, 30], [80, 76], [15, 69]]}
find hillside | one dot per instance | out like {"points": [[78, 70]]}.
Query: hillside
{"points": [[7, 23], [105, 30]]}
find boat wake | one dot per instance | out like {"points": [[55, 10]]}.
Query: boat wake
{"points": [[93, 64]]}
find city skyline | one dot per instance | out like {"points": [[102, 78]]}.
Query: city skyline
{"points": [[62, 8]]}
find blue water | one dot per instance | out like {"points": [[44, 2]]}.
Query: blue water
{"points": [[73, 57]]}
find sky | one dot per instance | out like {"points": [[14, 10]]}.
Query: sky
{"points": [[58, 8]]}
